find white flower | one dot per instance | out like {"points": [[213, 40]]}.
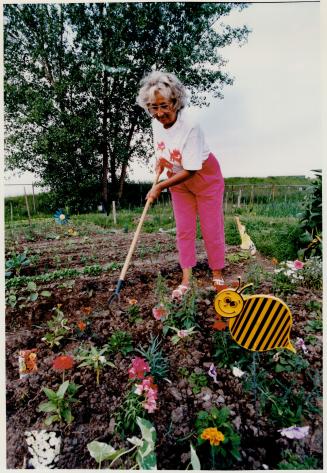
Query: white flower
{"points": [[237, 372], [102, 359], [276, 357], [62, 217], [295, 432], [300, 344]]}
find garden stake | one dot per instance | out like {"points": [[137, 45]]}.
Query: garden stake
{"points": [[254, 385], [132, 247]]}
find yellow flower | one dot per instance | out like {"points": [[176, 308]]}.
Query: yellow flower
{"points": [[214, 435]]}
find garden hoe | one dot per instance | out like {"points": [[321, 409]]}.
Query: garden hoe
{"points": [[122, 275]]}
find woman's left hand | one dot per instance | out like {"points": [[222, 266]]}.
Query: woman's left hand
{"points": [[154, 193]]}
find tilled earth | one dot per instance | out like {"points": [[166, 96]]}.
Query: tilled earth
{"points": [[261, 443]]}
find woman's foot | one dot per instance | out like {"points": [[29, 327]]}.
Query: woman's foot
{"points": [[218, 280], [179, 292]]}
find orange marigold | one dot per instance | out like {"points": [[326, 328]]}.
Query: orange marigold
{"points": [[213, 435]]}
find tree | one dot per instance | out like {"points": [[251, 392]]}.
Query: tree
{"points": [[71, 78]]}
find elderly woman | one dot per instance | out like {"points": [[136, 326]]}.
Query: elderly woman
{"points": [[193, 174]]}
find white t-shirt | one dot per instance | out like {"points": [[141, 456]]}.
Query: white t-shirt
{"points": [[182, 146]]}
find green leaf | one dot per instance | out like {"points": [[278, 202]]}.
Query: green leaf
{"points": [[46, 293], [47, 407], [49, 420], [62, 390], [31, 286], [101, 451], [50, 394], [67, 415], [195, 462], [33, 296], [147, 430]]}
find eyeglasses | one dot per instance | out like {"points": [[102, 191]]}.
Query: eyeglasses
{"points": [[164, 107]]}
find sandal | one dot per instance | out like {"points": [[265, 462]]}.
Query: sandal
{"points": [[219, 284], [180, 291]]}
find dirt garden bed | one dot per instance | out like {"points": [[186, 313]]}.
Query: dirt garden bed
{"points": [[180, 399]]}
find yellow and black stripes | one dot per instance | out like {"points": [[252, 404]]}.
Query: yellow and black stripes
{"points": [[264, 323]]}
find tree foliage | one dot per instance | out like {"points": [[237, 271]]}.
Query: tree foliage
{"points": [[72, 73]]}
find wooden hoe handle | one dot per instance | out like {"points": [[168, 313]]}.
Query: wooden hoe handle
{"points": [[137, 232]]}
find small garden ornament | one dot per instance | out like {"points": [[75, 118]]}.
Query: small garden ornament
{"points": [[247, 243], [27, 362], [257, 322], [61, 217]]}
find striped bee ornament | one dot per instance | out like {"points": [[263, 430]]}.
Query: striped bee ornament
{"points": [[257, 322]]}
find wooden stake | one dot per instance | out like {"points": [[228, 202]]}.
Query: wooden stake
{"points": [[27, 207], [33, 199], [239, 198], [114, 211]]}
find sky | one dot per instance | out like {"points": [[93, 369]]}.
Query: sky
{"points": [[269, 122]]}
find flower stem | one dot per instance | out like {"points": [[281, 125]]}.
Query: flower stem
{"points": [[213, 458], [121, 454]]}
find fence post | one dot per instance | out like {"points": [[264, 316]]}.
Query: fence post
{"points": [[239, 198], [252, 196], [114, 211], [11, 213], [33, 198], [273, 192], [226, 201], [27, 207]]}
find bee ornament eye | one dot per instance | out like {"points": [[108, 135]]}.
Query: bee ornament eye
{"points": [[228, 303]]}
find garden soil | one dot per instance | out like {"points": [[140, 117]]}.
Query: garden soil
{"points": [[94, 415]]}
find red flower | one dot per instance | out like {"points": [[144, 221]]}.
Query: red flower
{"points": [[63, 362], [219, 325], [81, 325]]}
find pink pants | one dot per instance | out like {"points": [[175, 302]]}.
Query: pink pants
{"points": [[202, 194]]}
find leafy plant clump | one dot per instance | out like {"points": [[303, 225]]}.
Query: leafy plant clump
{"points": [[93, 358], [157, 360], [16, 263], [120, 341], [311, 220], [214, 426], [58, 328], [60, 403]]}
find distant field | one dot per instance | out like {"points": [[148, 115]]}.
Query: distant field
{"points": [[272, 196]]}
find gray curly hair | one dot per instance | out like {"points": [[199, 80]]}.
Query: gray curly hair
{"points": [[167, 84]]}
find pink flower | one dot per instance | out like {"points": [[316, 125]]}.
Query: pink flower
{"points": [[295, 432], [150, 405], [182, 333], [150, 391], [298, 264], [161, 146], [138, 369], [159, 312]]}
